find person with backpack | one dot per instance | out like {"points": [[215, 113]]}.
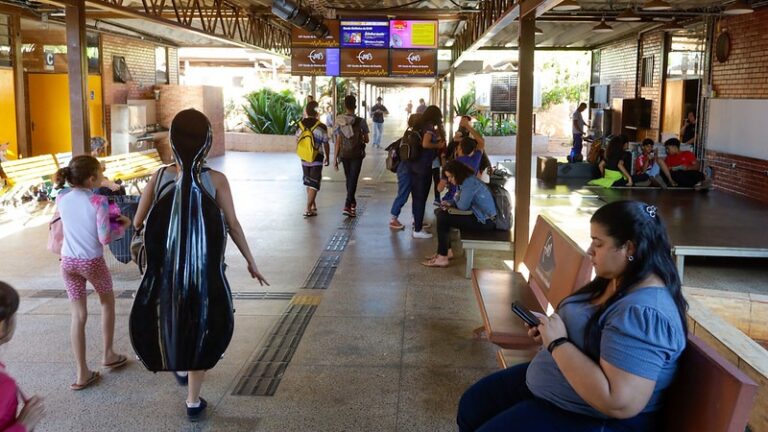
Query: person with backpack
{"points": [[473, 209], [351, 132], [403, 183], [429, 128], [312, 139], [378, 112]]}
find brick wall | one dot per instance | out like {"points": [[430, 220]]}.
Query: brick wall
{"points": [[207, 99], [140, 58], [651, 46], [618, 67], [743, 76]]}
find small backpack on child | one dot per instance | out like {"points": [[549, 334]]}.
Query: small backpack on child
{"points": [[503, 206], [410, 145], [305, 146], [353, 147]]}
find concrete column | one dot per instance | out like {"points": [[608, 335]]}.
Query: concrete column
{"points": [[313, 87], [527, 46], [452, 92], [22, 133], [359, 95], [77, 61]]}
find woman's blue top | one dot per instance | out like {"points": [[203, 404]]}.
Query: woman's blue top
{"points": [[474, 194], [641, 333]]}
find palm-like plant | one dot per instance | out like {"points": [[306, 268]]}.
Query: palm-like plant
{"points": [[465, 105], [270, 112]]}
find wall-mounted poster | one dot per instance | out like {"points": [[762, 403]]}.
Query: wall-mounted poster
{"points": [[364, 34], [303, 38], [364, 62], [413, 34], [413, 63], [315, 61]]}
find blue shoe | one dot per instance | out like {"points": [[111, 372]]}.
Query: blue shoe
{"points": [[183, 380], [195, 414]]}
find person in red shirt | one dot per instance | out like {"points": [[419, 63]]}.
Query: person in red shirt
{"points": [[681, 167]]}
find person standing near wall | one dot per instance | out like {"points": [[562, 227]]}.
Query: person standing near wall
{"points": [[378, 112], [578, 123]]}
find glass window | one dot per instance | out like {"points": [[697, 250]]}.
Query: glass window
{"points": [[5, 41], [161, 65], [686, 53]]}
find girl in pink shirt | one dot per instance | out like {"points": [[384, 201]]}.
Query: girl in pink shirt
{"points": [[33, 409], [87, 227]]}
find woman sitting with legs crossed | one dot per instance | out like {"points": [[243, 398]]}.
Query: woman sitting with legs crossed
{"points": [[472, 209]]}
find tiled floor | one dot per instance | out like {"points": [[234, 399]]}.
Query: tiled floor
{"points": [[389, 347]]}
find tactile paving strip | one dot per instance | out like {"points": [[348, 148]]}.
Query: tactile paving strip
{"points": [[338, 242], [268, 364], [322, 273]]}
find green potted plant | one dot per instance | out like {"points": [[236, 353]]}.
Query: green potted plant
{"points": [[272, 117]]}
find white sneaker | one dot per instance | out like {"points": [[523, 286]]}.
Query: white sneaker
{"points": [[421, 234]]}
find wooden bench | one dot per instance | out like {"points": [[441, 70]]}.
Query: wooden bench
{"points": [[484, 240], [26, 174], [708, 394], [132, 167], [555, 266]]}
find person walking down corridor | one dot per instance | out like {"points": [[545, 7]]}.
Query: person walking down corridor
{"points": [[351, 132], [314, 131], [578, 123], [378, 112], [422, 106]]}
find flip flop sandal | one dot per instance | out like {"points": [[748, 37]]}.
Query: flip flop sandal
{"points": [[431, 263], [93, 378], [310, 214], [120, 362]]}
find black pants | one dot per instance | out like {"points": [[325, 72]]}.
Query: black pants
{"points": [[420, 181], [435, 182], [687, 178], [352, 168], [445, 221]]}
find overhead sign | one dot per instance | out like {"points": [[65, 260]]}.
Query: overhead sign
{"points": [[315, 61], [364, 62], [303, 38], [413, 34], [413, 63], [364, 34]]}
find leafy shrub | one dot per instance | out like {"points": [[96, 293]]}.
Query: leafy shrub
{"points": [[465, 105], [273, 113], [487, 127]]}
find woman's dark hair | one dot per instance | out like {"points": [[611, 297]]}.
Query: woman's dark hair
{"points": [[639, 223], [460, 171], [414, 119], [9, 301], [350, 102], [312, 108], [78, 171], [615, 148], [431, 116]]}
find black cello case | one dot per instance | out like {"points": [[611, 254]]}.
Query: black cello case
{"points": [[182, 318]]}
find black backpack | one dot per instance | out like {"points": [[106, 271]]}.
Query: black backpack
{"points": [[410, 145], [503, 206], [353, 147], [393, 158]]}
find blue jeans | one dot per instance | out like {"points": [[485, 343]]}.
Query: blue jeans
{"points": [[352, 168], [378, 129], [576, 150], [403, 188], [502, 402]]}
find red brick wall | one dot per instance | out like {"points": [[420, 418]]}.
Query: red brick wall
{"points": [[207, 99], [740, 175], [618, 67], [651, 46], [743, 76]]}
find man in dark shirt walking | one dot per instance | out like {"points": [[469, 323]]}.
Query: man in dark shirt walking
{"points": [[378, 112]]}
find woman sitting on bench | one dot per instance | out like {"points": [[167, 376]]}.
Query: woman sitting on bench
{"points": [[472, 208], [612, 348]]}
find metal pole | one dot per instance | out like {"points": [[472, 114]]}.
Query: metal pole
{"points": [[77, 61], [24, 144], [524, 137], [313, 87]]}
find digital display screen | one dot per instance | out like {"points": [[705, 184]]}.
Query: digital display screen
{"points": [[364, 62], [315, 61], [409, 34], [303, 38], [364, 34], [413, 63]]}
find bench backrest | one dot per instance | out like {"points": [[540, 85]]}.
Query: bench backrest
{"points": [[708, 394], [30, 169], [131, 165], [556, 264]]}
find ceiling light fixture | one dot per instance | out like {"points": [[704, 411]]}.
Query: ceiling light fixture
{"points": [[567, 5], [602, 27], [628, 15], [656, 5], [739, 7]]}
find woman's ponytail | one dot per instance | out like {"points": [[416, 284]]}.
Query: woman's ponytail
{"points": [[62, 177]]}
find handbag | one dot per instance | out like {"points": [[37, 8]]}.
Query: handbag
{"points": [[55, 233]]}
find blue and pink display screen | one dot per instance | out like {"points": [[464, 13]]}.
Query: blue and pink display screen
{"points": [[409, 34], [364, 34]]}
